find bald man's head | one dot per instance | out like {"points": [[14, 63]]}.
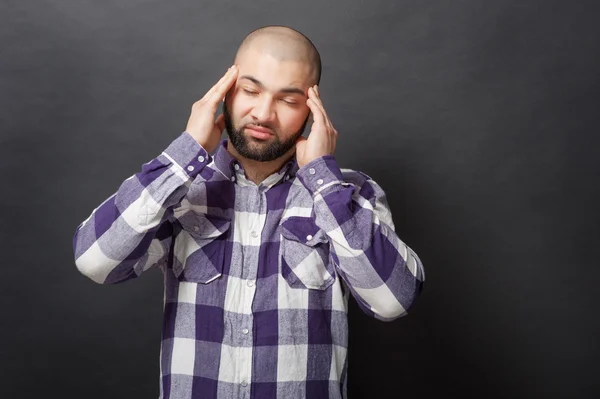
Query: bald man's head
{"points": [[284, 44]]}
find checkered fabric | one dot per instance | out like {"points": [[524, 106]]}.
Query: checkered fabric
{"points": [[257, 277]]}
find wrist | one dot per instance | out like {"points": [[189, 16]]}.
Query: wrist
{"points": [[320, 173]]}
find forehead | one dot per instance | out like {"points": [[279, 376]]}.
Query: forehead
{"points": [[275, 72]]}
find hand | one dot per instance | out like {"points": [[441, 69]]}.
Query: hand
{"points": [[322, 138], [202, 125]]}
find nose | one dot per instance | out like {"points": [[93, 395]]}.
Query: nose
{"points": [[263, 109]]}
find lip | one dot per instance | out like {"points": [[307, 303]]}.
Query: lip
{"points": [[260, 129], [259, 132]]}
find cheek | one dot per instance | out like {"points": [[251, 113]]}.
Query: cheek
{"points": [[238, 106], [293, 119]]}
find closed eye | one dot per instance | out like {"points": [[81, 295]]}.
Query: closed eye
{"points": [[289, 102], [251, 92]]}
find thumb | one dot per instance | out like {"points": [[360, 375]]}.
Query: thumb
{"points": [[300, 143], [220, 122], [300, 146]]}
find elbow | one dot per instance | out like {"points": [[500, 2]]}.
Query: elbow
{"points": [[394, 308], [92, 262], [389, 312], [93, 270], [86, 264]]}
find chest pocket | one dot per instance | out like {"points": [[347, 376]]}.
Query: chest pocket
{"points": [[200, 247], [304, 253]]}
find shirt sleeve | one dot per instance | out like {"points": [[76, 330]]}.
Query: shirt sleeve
{"points": [[384, 275], [131, 230]]}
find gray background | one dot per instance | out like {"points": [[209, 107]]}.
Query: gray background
{"points": [[479, 119]]}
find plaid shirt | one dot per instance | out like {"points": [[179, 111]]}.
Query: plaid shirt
{"points": [[257, 277]]}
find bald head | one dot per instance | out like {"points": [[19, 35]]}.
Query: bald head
{"points": [[283, 44]]}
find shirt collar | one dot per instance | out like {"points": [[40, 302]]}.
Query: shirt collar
{"points": [[229, 166]]}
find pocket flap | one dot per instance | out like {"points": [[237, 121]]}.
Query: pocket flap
{"points": [[200, 225], [200, 253], [304, 230]]}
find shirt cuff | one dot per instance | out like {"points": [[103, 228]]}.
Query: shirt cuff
{"points": [[188, 154], [320, 174]]}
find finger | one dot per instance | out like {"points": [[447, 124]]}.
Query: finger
{"points": [[314, 96], [213, 88], [224, 87], [317, 113], [226, 77], [217, 92]]}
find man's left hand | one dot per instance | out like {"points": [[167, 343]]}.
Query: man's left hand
{"points": [[322, 138]]}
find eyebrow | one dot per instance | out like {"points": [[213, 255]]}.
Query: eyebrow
{"points": [[286, 90]]}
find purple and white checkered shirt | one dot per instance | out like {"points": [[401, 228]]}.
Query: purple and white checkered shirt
{"points": [[257, 277]]}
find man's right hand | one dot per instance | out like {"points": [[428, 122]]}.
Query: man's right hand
{"points": [[202, 125]]}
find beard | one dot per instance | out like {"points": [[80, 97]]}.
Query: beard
{"points": [[259, 152]]}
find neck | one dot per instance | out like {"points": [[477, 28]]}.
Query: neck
{"points": [[257, 171]]}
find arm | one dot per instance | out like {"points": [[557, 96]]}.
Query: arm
{"points": [[384, 275], [131, 231]]}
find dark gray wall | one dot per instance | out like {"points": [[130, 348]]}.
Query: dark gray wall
{"points": [[480, 119]]}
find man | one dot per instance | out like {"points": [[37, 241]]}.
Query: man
{"points": [[260, 244]]}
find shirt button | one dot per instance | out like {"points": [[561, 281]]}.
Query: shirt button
{"points": [[201, 158], [254, 234], [244, 383], [196, 228], [309, 237], [311, 171], [250, 283], [320, 181], [190, 168], [245, 331], [236, 166], [232, 178]]}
